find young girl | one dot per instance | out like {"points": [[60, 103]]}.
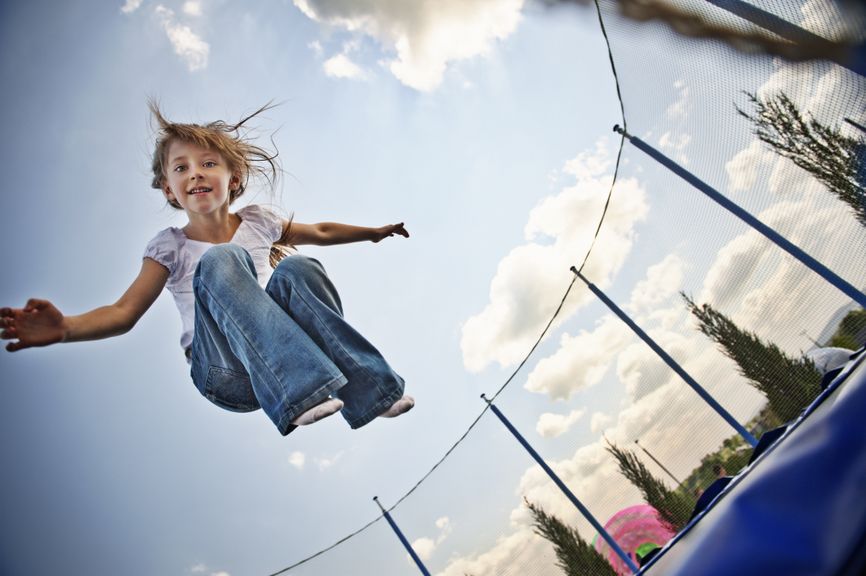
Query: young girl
{"points": [[254, 337]]}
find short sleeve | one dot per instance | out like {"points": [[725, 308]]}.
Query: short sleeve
{"points": [[266, 220], [163, 249]]}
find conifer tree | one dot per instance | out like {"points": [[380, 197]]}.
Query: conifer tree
{"points": [[674, 507], [851, 331], [835, 160], [575, 556], [789, 384]]}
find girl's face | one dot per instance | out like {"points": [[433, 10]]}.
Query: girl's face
{"points": [[198, 179]]}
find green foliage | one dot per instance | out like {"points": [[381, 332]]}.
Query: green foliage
{"points": [[829, 156], [733, 456], [575, 556], [674, 507], [789, 384], [851, 331]]}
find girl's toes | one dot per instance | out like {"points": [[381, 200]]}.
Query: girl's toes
{"points": [[401, 406], [327, 408]]}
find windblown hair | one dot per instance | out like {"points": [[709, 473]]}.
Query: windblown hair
{"points": [[243, 158]]}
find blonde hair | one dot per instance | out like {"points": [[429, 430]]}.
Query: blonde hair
{"points": [[242, 157]]}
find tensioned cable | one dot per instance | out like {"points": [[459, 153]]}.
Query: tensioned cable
{"points": [[621, 140], [453, 447], [528, 354]]}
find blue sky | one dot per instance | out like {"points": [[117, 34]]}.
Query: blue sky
{"points": [[486, 127]]}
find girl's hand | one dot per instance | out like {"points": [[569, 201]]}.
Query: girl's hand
{"points": [[39, 323], [390, 230]]}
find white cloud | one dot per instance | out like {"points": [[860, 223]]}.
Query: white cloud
{"points": [[739, 258], [744, 167], [659, 409], [761, 287], [551, 425], [425, 35], [186, 43], [661, 418], [681, 107], [589, 163], [530, 280], [641, 369], [297, 459], [591, 474], [192, 8], [425, 547], [765, 290], [675, 144], [581, 361], [202, 568], [325, 463], [340, 66], [675, 141], [655, 395], [599, 422], [662, 281], [830, 20], [130, 6], [520, 552], [797, 85]]}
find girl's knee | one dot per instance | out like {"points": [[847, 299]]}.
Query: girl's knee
{"points": [[299, 266], [222, 258]]}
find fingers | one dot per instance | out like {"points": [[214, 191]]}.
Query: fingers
{"points": [[10, 333], [32, 304], [15, 346], [9, 328], [35, 304]]}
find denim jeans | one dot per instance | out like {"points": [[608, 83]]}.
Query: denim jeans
{"points": [[285, 348]]}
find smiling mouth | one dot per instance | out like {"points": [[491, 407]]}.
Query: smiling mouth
{"points": [[200, 190]]}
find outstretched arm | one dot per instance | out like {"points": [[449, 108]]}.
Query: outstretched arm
{"points": [[330, 233], [40, 323]]}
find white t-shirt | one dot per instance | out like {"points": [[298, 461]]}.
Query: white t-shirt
{"points": [[258, 230]]}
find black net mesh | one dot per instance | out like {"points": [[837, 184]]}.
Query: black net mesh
{"points": [[693, 265]]}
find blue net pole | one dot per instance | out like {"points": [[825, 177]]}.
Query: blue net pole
{"points": [[402, 538], [739, 212], [789, 31], [668, 359], [561, 485]]}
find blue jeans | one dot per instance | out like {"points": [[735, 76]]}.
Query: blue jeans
{"points": [[285, 348]]}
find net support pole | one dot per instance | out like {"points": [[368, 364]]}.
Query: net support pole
{"points": [[779, 240], [561, 485], [660, 465], [668, 359], [402, 538], [792, 32]]}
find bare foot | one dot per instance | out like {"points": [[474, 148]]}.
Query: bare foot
{"points": [[401, 406], [327, 408]]}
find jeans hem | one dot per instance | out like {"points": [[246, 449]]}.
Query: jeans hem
{"points": [[377, 409], [285, 425]]}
